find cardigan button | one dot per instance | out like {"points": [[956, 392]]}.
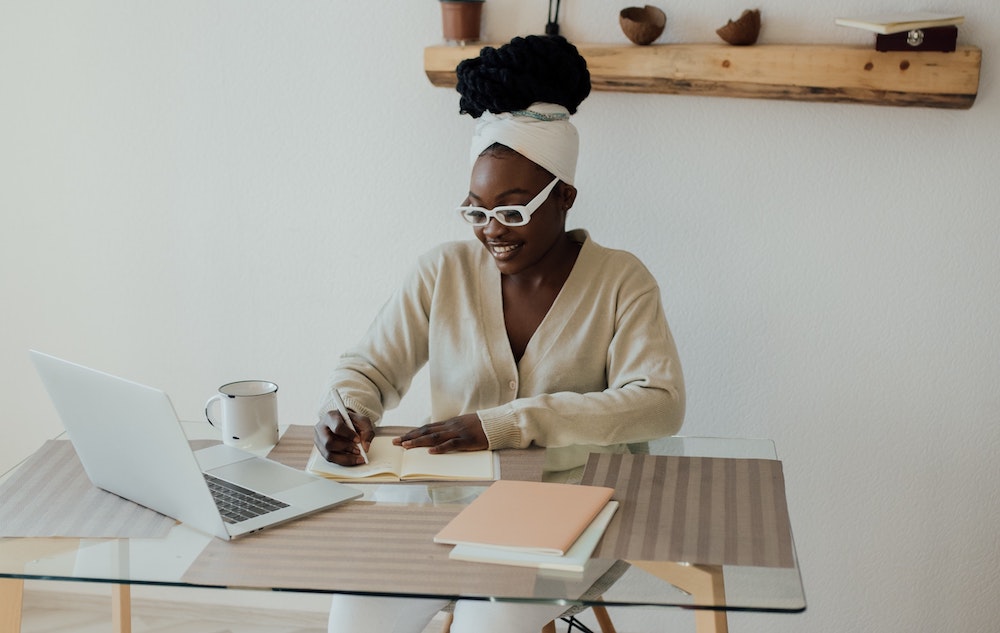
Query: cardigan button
{"points": [[512, 384]]}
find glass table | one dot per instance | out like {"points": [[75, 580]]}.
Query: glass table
{"points": [[185, 557]]}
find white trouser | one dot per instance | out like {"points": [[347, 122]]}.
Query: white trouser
{"points": [[376, 614]]}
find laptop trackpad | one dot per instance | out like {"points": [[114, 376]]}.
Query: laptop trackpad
{"points": [[260, 475]]}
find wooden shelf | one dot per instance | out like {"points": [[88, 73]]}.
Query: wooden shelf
{"points": [[797, 72]]}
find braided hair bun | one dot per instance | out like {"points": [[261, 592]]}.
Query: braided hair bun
{"points": [[524, 71]]}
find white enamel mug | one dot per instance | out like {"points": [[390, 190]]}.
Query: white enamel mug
{"points": [[246, 412]]}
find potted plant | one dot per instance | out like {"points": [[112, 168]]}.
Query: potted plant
{"points": [[461, 20]]}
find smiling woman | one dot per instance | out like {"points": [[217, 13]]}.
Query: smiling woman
{"points": [[533, 334], [534, 258]]}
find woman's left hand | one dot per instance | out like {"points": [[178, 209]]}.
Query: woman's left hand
{"points": [[463, 433]]}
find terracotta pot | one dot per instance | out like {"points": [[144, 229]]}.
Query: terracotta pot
{"points": [[461, 20]]}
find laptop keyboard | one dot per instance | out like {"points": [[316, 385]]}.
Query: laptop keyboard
{"points": [[239, 504]]}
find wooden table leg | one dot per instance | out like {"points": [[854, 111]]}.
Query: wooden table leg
{"points": [[603, 619], [121, 608], [18, 554], [11, 597], [705, 584], [121, 595]]}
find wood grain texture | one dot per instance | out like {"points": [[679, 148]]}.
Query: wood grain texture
{"points": [[792, 72]]}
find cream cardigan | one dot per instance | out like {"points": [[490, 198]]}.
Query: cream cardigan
{"points": [[601, 370]]}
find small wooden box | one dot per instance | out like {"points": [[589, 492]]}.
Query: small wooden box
{"points": [[938, 38]]}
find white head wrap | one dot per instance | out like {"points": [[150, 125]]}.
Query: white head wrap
{"points": [[542, 134]]}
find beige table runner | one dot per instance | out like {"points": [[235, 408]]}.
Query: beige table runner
{"points": [[700, 510], [50, 495], [362, 546]]}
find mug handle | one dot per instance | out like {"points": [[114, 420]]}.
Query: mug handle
{"points": [[208, 405]]}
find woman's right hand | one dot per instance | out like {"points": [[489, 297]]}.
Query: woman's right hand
{"points": [[338, 443]]}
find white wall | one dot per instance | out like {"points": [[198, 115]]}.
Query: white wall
{"points": [[199, 191]]}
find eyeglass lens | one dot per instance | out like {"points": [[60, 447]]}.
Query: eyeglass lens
{"points": [[509, 215]]}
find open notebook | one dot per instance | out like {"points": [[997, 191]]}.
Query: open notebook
{"points": [[388, 462]]}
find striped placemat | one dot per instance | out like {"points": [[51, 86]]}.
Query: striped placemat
{"points": [[364, 546], [358, 547], [699, 510], [49, 495], [294, 446]]}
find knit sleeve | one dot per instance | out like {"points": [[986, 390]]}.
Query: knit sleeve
{"points": [[374, 375]]}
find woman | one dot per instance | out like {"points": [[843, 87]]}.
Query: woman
{"points": [[532, 335]]}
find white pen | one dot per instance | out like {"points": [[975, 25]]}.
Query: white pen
{"points": [[347, 418]]}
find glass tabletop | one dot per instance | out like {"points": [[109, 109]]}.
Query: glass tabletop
{"points": [[385, 565]]}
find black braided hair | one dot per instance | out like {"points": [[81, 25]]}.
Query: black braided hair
{"points": [[527, 69]]}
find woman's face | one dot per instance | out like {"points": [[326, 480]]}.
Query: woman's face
{"points": [[504, 178]]}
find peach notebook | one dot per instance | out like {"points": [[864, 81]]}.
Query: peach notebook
{"points": [[528, 516]]}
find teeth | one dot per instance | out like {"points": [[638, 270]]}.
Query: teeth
{"points": [[503, 249]]}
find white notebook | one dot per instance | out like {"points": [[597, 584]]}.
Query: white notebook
{"points": [[888, 23], [575, 559], [531, 516]]}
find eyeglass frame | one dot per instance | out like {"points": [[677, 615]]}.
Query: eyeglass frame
{"points": [[526, 210]]}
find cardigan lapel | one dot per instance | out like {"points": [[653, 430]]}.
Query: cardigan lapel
{"points": [[491, 314], [566, 303]]}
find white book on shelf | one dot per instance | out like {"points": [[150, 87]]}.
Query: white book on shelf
{"points": [[888, 23]]}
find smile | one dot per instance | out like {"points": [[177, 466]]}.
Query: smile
{"points": [[502, 249]]}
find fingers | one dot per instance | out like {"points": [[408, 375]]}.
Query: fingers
{"points": [[453, 444], [426, 435], [434, 434], [338, 443], [464, 433], [364, 427]]}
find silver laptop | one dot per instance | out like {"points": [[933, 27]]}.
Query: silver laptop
{"points": [[131, 443]]}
